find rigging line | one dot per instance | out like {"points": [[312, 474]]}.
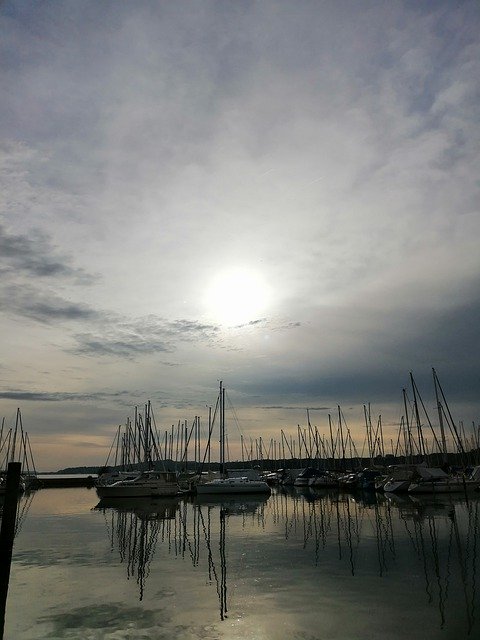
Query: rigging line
{"points": [[414, 384], [207, 448], [232, 409]]}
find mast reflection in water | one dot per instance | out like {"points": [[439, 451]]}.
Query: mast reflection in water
{"points": [[134, 526], [205, 507], [295, 564]]}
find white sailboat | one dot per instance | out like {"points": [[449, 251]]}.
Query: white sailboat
{"points": [[399, 479], [434, 480], [225, 485], [140, 484], [146, 484]]}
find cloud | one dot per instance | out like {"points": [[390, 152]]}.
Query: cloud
{"points": [[294, 408], [85, 444], [42, 305], [59, 396], [129, 339], [32, 258], [105, 618], [252, 323], [159, 148], [128, 348], [34, 255]]}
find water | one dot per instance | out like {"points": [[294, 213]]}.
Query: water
{"points": [[297, 566]]}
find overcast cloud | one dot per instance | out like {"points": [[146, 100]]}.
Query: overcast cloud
{"points": [[331, 149]]}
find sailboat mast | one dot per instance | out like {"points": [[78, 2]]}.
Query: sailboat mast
{"points": [[421, 443], [331, 441], [221, 396], [440, 419], [409, 435]]}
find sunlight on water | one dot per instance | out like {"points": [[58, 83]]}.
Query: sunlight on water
{"points": [[303, 566]]}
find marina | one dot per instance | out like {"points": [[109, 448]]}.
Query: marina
{"points": [[239, 320], [305, 538]]}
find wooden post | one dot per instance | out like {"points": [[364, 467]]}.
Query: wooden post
{"points": [[7, 534]]}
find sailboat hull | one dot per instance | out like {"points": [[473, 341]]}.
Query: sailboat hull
{"points": [[147, 484], [233, 486]]}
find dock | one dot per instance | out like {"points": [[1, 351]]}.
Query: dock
{"points": [[62, 482]]}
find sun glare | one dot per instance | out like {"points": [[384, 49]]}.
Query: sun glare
{"points": [[237, 296]]}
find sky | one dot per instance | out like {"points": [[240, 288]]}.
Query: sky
{"points": [[283, 196]]}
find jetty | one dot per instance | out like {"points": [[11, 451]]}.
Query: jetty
{"points": [[63, 482]]}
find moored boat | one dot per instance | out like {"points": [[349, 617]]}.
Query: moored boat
{"points": [[109, 477], [368, 478], [232, 486], [312, 477], [323, 479], [224, 484], [401, 477], [147, 483], [435, 480], [349, 481]]}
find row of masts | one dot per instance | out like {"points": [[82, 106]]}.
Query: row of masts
{"points": [[411, 444], [412, 441], [338, 448], [140, 443], [15, 447]]}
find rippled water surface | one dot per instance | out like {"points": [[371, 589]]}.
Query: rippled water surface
{"points": [[298, 566]]}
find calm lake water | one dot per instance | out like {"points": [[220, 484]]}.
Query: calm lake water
{"points": [[298, 566]]}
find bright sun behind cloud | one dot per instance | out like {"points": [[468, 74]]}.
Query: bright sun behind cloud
{"points": [[237, 296]]}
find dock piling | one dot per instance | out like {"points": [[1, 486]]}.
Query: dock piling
{"points": [[7, 533]]}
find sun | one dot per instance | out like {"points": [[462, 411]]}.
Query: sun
{"points": [[237, 296]]}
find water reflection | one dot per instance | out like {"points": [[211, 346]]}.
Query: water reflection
{"points": [[442, 535], [204, 508], [413, 561], [443, 532], [445, 554], [134, 526], [185, 529], [336, 518], [23, 506]]}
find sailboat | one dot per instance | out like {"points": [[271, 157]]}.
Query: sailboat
{"points": [[147, 483], [434, 480], [225, 485], [15, 447], [142, 483]]}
